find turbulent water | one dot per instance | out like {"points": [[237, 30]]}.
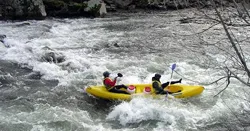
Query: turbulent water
{"points": [[38, 94]]}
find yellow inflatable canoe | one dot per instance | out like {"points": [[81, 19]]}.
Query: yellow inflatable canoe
{"points": [[146, 90]]}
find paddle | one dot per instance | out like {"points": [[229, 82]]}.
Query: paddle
{"points": [[172, 68]]}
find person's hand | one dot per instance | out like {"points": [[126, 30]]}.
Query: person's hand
{"points": [[119, 75]]}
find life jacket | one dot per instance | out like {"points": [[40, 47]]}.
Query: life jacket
{"points": [[158, 82], [108, 87]]}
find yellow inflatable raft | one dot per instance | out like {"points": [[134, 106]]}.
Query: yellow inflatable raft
{"points": [[145, 90]]}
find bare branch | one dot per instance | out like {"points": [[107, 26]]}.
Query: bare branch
{"points": [[245, 9], [214, 19], [204, 30], [231, 40], [228, 82], [242, 81], [216, 81], [226, 23], [241, 98], [240, 13], [234, 115]]}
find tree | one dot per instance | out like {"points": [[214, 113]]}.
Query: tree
{"points": [[233, 18], [240, 65]]}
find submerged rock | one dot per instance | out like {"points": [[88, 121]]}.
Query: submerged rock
{"points": [[2, 42], [52, 56], [2, 37], [34, 75]]}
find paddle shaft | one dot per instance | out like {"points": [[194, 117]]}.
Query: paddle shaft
{"points": [[173, 67]]}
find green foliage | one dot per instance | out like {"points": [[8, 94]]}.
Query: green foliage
{"points": [[95, 10], [69, 8], [141, 3], [55, 4], [79, 7], [78, 1], [74, 1], [66, 1]]}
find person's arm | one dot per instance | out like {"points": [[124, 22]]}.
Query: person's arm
{"points": [[156, 87], [114, 81]]}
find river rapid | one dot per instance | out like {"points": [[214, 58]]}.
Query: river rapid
{"points": [[38, 95]]}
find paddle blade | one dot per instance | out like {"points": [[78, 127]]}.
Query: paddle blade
{"points": [[173, 67]]}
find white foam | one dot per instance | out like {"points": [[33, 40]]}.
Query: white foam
{"points": [[88, 47], [44, 114], [169, 112]]}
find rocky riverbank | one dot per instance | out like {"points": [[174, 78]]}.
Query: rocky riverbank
{"points": [[40, 9]]}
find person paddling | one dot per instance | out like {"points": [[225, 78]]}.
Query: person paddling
{"points": [[110, 84], [159, 88]]}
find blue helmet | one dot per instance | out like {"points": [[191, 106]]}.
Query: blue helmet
{"points": [[106, 74]]}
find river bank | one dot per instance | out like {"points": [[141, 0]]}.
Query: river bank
{"points": [[40, 9]]}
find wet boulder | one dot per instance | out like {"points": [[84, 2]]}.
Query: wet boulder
{"points": [[2, 37], [34, 75], [2, 42], [72, 8], [52, 56], [22, 9]]}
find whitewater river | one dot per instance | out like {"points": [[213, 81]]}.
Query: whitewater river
{"points": [[37, 95]]}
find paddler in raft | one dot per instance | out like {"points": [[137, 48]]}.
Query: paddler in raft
{"points": [[159, 88], [110, 84]]}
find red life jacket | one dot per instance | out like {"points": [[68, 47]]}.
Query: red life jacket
{"points": [[108, 87]]}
